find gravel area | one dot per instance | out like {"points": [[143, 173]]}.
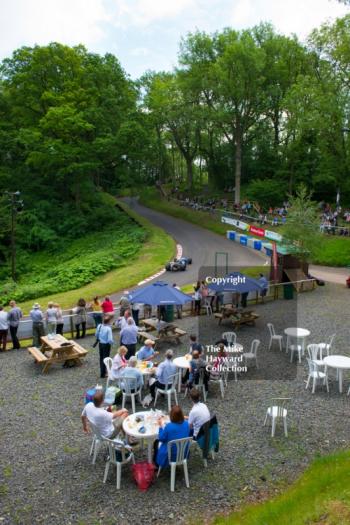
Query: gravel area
{"points": [[46, 474]]}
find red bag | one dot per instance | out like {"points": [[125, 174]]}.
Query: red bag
{"points": [[143, 474]]}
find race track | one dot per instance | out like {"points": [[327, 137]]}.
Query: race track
{"points": [[198, 243]]}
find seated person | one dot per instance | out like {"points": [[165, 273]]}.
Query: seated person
{"points": [[119, 362], [199, 413], [178, 428], [165, 370], [132, 372], [194, 345], [215, 368], [196, 364], [109, 424], [146, 353]]}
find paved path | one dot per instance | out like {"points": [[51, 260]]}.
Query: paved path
{"points": [[331, 274], [198, 243]]}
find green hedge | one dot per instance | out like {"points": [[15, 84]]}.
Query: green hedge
{"points": [[78, 264]]}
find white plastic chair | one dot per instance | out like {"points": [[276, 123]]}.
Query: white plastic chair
{"points": [[296, 348], [315, 354], [182, 453], [276, 411], [327, 347], [253, 354], [207, 306], [170, 388], [221, 380], [230, 337], [108, 362], [316, 375], [274, 336], [200, 385], [97, 441], [128, 384], [126, 456]]}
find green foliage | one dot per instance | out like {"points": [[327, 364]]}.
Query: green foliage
{"points": [[77, 263], [267, 191], [303, 225], [321, 495]]}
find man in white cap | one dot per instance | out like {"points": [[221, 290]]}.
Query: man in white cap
{"points": [[146, 353], [37, 318]]}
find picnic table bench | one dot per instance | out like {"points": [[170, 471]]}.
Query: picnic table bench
{"points": [[238, 318], [146, 335], [57, 350]]}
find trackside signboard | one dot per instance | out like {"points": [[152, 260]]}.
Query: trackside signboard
{"points": [[254, 230]]}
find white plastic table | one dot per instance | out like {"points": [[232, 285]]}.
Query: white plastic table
{"points": [[297, 333], [182, 363], [340, 363], [149, 421]]}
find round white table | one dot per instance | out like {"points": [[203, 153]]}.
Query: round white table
{"points": [[340, 363], [297, 333], [182, 363], [149, 420]]}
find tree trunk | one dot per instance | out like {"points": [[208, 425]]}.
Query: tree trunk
{"points": [[238, 167], [189, 166]]}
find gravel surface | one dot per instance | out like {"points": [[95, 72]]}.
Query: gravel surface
{"points": [[46, 474]]}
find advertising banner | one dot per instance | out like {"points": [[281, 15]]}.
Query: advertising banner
{"points": [[273, 236], [260, 232], [235, 222]]}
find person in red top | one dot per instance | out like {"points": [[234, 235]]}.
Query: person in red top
{"points": [[107, 307]]}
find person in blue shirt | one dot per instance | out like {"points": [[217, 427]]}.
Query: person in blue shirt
{"points": [[104, 337], [134, 374], [265, 286], [128, 337], [178, 428], [146, 353], [165, 370]]}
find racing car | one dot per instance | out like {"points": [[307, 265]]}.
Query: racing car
{"points": [[178, 265]]}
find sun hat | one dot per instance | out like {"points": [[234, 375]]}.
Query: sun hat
{"points": [[36, 305]]}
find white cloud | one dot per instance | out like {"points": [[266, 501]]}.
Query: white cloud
{"points": [[140, 52], [144, 12], [288, 16], [29, 22]]}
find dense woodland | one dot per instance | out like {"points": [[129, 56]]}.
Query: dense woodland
{"points": [[252, 109]]}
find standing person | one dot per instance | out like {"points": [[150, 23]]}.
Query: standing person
{"points": [[128, 337], [80, 318], [60, 321], [204, 291], [265, 285], [124, 303], [135, 311], [51, 318], [4, 327], [219, 302], [107, 307], [178, 306], [96, 311], [244, 299], [197, 298], [37, 318], [104, 337], [14, 316]]}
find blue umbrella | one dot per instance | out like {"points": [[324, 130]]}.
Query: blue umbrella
{"points": [[159, 293], [235, 282]]}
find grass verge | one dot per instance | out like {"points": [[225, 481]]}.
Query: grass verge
{"points": [[154, 253], [321, 495], [331, 251]]}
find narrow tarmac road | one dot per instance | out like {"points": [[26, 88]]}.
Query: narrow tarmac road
{"points": [[200, 244]]}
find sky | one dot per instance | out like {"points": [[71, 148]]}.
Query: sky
{"points": [[145, 34]]}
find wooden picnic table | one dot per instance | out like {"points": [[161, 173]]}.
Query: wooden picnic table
{"points": [[164, 330], [237, 317], [56, 350]]}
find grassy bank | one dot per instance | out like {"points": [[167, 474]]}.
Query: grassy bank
{"points": [[321, 495], [331, 250], [155, 251]]}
